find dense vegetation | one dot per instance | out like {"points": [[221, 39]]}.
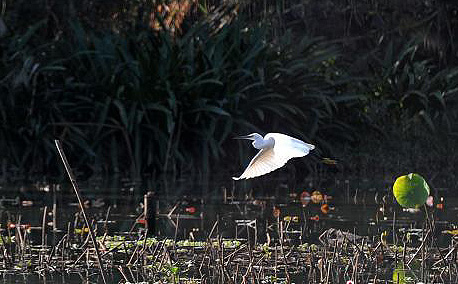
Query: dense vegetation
{"points": [[150, 89]]}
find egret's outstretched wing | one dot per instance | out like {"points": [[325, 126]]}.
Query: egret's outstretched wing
{"points": [[275, 155], [264, 162], [290, 147]]}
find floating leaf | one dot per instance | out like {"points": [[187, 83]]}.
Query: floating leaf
{"points": [[411, 191]]}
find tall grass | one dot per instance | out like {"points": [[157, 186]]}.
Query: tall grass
{"points": [[153, 102], [143, 101], [406, 86]]}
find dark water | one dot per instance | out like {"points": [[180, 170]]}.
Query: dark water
{"points": [[244, 216]]}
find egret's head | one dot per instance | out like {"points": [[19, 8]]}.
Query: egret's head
{"points": [[252, 136]]}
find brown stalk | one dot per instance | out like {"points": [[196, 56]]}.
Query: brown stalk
{"points": [[288, 278], [43, 228], [420, 249], [80, 201], [123, 274]]}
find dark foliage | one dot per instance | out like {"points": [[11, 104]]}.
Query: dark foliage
{"points": [[138, 91]]}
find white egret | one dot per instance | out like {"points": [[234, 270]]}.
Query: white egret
{"points": [[275, 150]]}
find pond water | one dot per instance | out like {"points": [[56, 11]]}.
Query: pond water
{"points": [[304, 217]]}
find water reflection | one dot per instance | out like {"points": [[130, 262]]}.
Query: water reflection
{"points": [[307, 217], [313, 210]]}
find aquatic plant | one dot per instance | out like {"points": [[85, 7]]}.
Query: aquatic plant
{"points": [[411, 190], [153, 103], [148, 103]]}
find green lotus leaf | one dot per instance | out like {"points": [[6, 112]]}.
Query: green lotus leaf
{"points": [[411, 191]]}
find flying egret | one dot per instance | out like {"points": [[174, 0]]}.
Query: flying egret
{"points": [[275, 150]]}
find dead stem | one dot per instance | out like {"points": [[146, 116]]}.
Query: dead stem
{"points": [[288, 278], [43, 228], [80, 201], [420, 248], [121, 270]]}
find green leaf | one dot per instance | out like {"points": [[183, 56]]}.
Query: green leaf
{"points": [[213, 109], [122, 112]]}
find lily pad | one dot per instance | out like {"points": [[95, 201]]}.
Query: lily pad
{"points": [[411, 191]]}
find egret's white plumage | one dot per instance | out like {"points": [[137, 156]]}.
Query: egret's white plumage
{"points": [[275, 150]]}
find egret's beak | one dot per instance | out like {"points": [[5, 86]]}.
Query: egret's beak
{"points": [[242, 137]]}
